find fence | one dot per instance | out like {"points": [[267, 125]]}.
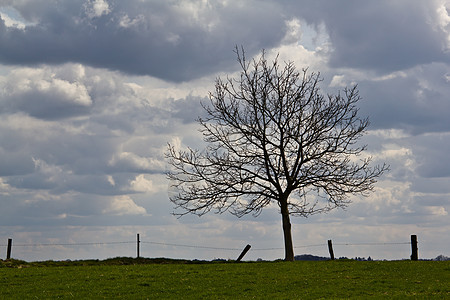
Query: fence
{"points": [[414, 247], [138, 241]]}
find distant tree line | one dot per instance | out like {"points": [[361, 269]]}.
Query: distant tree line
{"points": [[309, 257]]}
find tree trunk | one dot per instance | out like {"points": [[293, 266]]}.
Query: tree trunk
{"points": [[288, 245]]}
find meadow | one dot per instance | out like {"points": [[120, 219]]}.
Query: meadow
{"points": [[127, 278]]}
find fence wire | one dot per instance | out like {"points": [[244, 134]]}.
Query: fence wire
{"points": [[70, 244], [191, 246], [370, 244], [197, 246]]}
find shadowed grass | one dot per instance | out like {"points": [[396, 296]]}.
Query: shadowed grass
{"points": [[162, 278]]}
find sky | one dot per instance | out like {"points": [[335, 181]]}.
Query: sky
{"points": [[91, 92]]}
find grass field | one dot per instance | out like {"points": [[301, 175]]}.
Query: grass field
{"points": [[126, 278]]}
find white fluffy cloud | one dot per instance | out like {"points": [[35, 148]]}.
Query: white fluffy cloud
{"points": [[132, 161], [97, 8], [142, 184], [123, 205], [42, 94]]}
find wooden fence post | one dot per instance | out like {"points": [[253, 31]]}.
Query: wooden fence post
{"points": [[414, 249], [243, 253], [330, 249], [138, 242], [8, 251]]}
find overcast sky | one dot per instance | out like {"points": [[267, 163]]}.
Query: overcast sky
{"points": [[91, 92]]}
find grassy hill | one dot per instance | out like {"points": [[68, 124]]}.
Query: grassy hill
{"points": [[127, 278]]}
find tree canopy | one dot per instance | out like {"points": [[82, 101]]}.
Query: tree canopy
{"points": [[272, 136]]}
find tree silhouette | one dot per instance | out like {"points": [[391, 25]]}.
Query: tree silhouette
{"points": [[273, 137]]}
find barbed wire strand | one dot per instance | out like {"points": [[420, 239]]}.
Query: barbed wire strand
{"points": [[370, 244], [191, 246], [69, 244], [200, 247]]}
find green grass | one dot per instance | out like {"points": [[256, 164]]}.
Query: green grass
{"points": [[158, 279]]}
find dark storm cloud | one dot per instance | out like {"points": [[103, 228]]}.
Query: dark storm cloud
{"points": [[416, 100], [188, 109], [434, 149], [379, 35], [44, 106], [14, 163], [179, 41], [169, 40]]}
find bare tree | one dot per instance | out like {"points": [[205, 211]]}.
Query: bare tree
{"points": [[273, 137]]}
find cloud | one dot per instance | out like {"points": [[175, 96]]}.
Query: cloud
{"points": [[42, 95], [5, 189], [132, 162], [432, 161], [9, 22], [175, 41], [124, 205], [97, 8], [16, 163], [414, 100], [442, 22], [381, 35], [67, 129], [436, 210], [141, 184], [87, 166]]}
